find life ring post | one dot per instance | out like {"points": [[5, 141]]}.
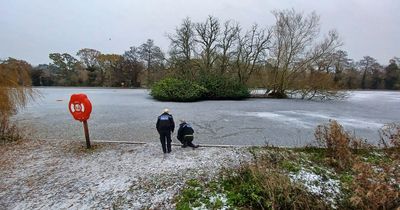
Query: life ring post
{"points": [[80, 107], [86, 129]]}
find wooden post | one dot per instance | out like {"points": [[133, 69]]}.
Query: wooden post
{"points": [[86, 129]]}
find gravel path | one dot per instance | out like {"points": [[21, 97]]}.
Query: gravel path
{"points": [[63, 175]]}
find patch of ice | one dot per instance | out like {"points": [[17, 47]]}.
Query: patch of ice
{"points": [[393, 96], [345, 121], [280, 118]]}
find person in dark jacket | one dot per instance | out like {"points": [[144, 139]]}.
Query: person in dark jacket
{"points": [[165, 126], [185, 135]]}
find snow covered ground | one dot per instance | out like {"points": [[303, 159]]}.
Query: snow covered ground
{"points": [[63, 175]]}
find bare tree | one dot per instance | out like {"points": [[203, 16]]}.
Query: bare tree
{"points": [[295, 48], [251, 52], [341, 62], [365, 66], [182, 46], [207, 35], [227, 44], [152, 56], [132, 66]]}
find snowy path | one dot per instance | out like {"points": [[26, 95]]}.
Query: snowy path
{"points": [[62, 175]]}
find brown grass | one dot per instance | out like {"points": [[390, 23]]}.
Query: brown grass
{"points": [[9, 132], [376, 187], [336, 140], [390, 139]]}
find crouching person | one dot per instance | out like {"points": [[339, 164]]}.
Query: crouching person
{"points": [[185, 135]]}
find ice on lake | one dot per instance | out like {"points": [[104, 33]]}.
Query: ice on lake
{"points": [[130, 115]]}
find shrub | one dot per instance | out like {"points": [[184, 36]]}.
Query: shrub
{"points": [[260, 186], [220, 87], [337, 141], [8, 132], [206, 87], [390, 139], [171, 89]]}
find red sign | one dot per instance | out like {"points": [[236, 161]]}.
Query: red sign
{"points": [[80, 107]]}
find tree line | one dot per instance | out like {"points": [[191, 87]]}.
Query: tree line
{"points": [[90, 67], [289, 56]]}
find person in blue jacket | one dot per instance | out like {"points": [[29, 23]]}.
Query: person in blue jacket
{"points": [[165, 126]]}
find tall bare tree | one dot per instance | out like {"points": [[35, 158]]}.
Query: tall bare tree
{"points": [[251, 52], [227, 44], [152, 56], [182, 46], [207, 38], [295, 47]]}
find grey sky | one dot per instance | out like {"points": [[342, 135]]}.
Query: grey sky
{"points": [[31, 29]]}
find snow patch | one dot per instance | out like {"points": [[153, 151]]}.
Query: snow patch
{"points": [[328, 189]]}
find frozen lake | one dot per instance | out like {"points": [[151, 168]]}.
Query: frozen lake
{"points": [[131, 114]]}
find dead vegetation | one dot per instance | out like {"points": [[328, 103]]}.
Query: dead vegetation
{"points": [[390, 139], [8, 132], [376, 183], [337, 143], [15, 92], [343, 172]]}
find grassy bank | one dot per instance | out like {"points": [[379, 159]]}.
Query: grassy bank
{"points": [[343, 173], [300, 179]]}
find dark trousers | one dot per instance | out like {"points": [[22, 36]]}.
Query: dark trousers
{"points": [[187, 141], [165, 138]]}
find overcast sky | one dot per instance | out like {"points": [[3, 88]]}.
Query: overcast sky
{"points": [[31, 29]]}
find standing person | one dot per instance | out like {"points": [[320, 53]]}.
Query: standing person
{"points": [[185, 134], [165, 126]]}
